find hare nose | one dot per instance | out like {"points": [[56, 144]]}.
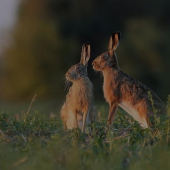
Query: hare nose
{"points": [[93, 64], [67, 74]]}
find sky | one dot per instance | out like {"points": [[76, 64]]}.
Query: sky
{"points": [[8, 17]]}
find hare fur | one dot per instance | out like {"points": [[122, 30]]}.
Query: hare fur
{"points": [[78, 109], [123, 90]]}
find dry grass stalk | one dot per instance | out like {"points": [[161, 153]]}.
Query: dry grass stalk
{"points": [[33, 99]]}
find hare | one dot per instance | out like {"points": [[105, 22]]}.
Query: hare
{"points": [[78, 109], [123, 90]]}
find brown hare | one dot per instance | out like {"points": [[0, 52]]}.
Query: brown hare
{"points": [[78, 109], [123, 90]]}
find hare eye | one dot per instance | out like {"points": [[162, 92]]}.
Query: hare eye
{"points": [[77, 68]]}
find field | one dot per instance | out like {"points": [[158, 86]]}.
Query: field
{"points": [[31, 139]]}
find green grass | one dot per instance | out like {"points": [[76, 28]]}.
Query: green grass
{"points": [[38, 141]]}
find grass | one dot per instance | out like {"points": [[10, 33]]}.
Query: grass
{"points": [[38, 141]]}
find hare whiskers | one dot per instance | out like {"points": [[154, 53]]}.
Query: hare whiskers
{"points": [[67, 84]]}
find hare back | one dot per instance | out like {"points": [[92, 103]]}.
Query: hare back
{"points": [[122, 88]]}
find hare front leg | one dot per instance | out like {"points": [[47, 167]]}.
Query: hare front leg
{"points": [[112, 111], [84, 122], [76, 120], [85, 117]]}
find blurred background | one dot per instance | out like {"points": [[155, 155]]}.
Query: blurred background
{"points": [[40, 40]]}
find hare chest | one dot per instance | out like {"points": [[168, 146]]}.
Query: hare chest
{"points": [[134, 113], [71, 121], [82, 98], [110, 92]]}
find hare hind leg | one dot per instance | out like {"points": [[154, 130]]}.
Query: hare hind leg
{"points": [[64, 116], [139, 115], [112, 111], [65, 125], [64, 121]]}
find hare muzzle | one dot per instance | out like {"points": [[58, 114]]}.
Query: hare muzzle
{"points": [[93, 64], [96, 66], [67, 76]]}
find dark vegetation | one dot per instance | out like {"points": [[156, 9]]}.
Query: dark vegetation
{"points": [[48, 36], [37, 141]]}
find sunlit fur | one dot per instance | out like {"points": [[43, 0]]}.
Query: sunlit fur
{"points": [[104, 61], [79, 100], [122, 90]]}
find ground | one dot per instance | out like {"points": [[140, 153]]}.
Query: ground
{"points": [[35, 140]]}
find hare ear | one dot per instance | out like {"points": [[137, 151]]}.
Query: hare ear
{"points": [[114, 41], [85, 54]]}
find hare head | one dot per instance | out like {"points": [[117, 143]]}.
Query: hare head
{"points": [[79, 70], [109, 58]]}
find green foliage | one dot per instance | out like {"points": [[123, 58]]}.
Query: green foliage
{"points": [[168, 105], [34, 124], [38, 142], [48, 36]]}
